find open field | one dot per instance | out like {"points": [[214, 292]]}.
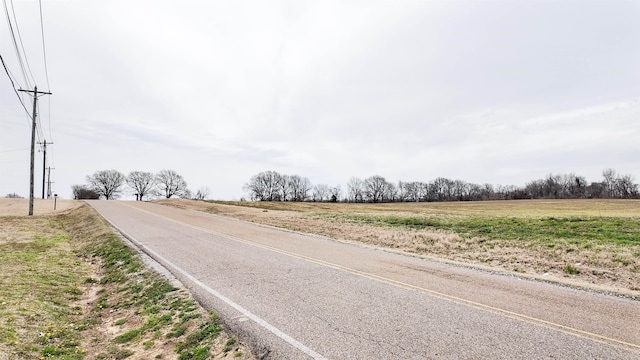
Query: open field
{"points": [[585, 243], [71, 289], [20, 207]]}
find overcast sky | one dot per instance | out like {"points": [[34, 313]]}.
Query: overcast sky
{"points": [[499, 92]]}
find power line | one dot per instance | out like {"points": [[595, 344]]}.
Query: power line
{"points": [[40, 131], [15, 44], [13, 85], [12, 150], [49, 114], [24, 52], [12, 162], [44, 53]]}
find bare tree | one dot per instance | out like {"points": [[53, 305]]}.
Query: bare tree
{"points": [[264, 186], [626, 188], [460, 190], [390, 192], [107, 183], [535, 189], [474, 192], [355, 189], [283, 186], [202, 193], [320, 192], [487, 192], [299, 187], [610, 182], [81, 192], [334, 193], [171, 183], [374, 188], [13, 196], [439, 189], [141, 183]]}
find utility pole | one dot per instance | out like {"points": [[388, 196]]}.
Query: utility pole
{"points": [[49, 183], [33, 141], [44, 163]]}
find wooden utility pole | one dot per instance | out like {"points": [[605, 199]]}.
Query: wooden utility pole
{"points": [[49, 183], [44, 163], [33, 141]]}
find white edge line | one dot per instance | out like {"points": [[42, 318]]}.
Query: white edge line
{"points": [[277, 332]]}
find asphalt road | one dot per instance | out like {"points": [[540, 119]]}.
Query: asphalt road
{"points": [[306, 297]]}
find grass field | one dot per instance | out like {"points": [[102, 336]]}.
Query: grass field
{"points": [[71, 289], [587, 243], [518, 208]]}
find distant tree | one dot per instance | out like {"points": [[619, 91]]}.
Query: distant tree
{"points": [[474, 191], [284, 187], [186, 194], [535, 189], [264, 186], [299, 187], [553, 186], [202, 193], [170, 183], [610, 176], [390, 192], [334, 193], [107, 183], [487, 192], [81, 192], [141, 183], [441, 189], [13, 196], [355, 190], [573, 186], [374, 188], [596, 190], [625, 187], [460, 190], [320, 192], [410, 191]]}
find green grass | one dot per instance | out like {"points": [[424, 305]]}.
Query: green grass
{"points": [[599, 229], [43, 274], [571, 270], [40, 279]]}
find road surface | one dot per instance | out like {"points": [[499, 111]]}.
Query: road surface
{"points": [[306, 297]]}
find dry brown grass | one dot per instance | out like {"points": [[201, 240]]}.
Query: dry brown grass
{"points": [[57, 300], [20, 207], [608, 267], [519, 208]]}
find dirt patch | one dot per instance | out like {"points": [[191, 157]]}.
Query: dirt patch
{"points": [[602, 267]]}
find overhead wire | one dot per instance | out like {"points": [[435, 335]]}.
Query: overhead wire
{"points": [[15, 45], [24, 52], [26, 72], [44, 50], [12, 150], [13, 85]]}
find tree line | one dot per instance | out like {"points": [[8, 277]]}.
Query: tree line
{"points": [[273, 186], [110, 184]]}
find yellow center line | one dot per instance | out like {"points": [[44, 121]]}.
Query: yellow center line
{"points": [[496, 310]]}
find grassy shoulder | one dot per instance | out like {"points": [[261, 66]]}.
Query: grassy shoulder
{"points": [[586, 243], [71, 289]]}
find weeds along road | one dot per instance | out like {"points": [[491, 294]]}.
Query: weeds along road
{"points": [[301, 297]]}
